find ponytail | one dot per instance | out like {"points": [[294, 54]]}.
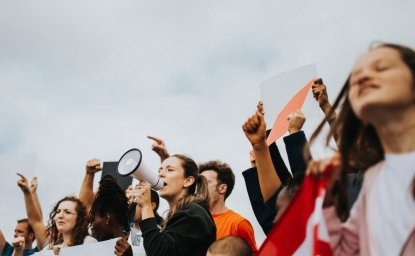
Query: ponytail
{"points": [[196, 193]]}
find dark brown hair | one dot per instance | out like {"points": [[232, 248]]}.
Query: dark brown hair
{"points": [[224, 172], [29, 227], [80, 230]]}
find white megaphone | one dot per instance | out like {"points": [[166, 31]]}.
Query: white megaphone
{"points": [[131, 163]]}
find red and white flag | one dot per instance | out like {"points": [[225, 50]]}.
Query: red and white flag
{"points": [[301, 230]]}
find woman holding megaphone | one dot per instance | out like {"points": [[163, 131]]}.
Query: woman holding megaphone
{"points": [[189, 228]]}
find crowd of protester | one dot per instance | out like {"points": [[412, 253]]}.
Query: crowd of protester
{"points": [[369, 204]]}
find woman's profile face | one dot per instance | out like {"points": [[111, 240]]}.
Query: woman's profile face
{"points": [[66, 216], [380, 80], [100, 228], [171, 173]]}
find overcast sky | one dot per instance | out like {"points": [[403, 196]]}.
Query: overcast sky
{"points": [[84, 79]]}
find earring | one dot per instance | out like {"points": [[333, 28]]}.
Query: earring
{"points": [[108, 219]]}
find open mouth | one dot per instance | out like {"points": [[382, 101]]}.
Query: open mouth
{"points": [[164, 184]]}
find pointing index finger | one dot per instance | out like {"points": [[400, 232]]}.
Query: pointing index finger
{"points": [[21, 176], [158, 140]]}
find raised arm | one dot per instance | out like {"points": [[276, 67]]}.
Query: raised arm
{"points": [[33, 188], [159, 147], [255, 131], [296, 143], [33, 214], [320, 94], [86, 194]]}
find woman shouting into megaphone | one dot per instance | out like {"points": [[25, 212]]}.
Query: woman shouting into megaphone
{"points": [[189, 228]]}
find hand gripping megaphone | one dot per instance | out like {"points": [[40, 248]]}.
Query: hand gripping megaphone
{"points": [[131, 163]]}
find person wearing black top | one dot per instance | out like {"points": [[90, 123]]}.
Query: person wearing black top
{"points": [[189, 228], [265, 211], [263, 195]]}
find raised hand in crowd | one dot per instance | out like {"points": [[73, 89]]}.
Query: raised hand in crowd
{"points": [[296, 121], [255, 128], [255, 131], [159, 147], [33, 210], [93, 166], [33, 185], [23, 183], [18, 245], [86, 194], [33, 189], [320, 94]]}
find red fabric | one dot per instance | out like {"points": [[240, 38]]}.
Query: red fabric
{"points": [[281, 123], [290, 232]]}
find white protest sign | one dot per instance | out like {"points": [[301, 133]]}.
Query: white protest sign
{"points": [[277, 91], [105, 248]]}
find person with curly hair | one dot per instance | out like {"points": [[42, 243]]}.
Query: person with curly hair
{"points": [[67, 224]]}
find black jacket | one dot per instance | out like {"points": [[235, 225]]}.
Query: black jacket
{"points": [[265, 211], [190, 231]]}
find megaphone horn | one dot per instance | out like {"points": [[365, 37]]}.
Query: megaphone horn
{"points": [[131, 163]]}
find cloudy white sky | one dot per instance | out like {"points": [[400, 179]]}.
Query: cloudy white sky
{"points": [[83, 79]]}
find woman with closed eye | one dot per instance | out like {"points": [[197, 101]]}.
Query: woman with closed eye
{"points": [[376, 131]]}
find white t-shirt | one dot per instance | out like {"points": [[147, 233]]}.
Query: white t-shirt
{"points": [[136, 241], [391, 205]]}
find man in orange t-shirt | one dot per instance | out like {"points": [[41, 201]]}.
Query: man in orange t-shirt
{"points": [[221, 181]]}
